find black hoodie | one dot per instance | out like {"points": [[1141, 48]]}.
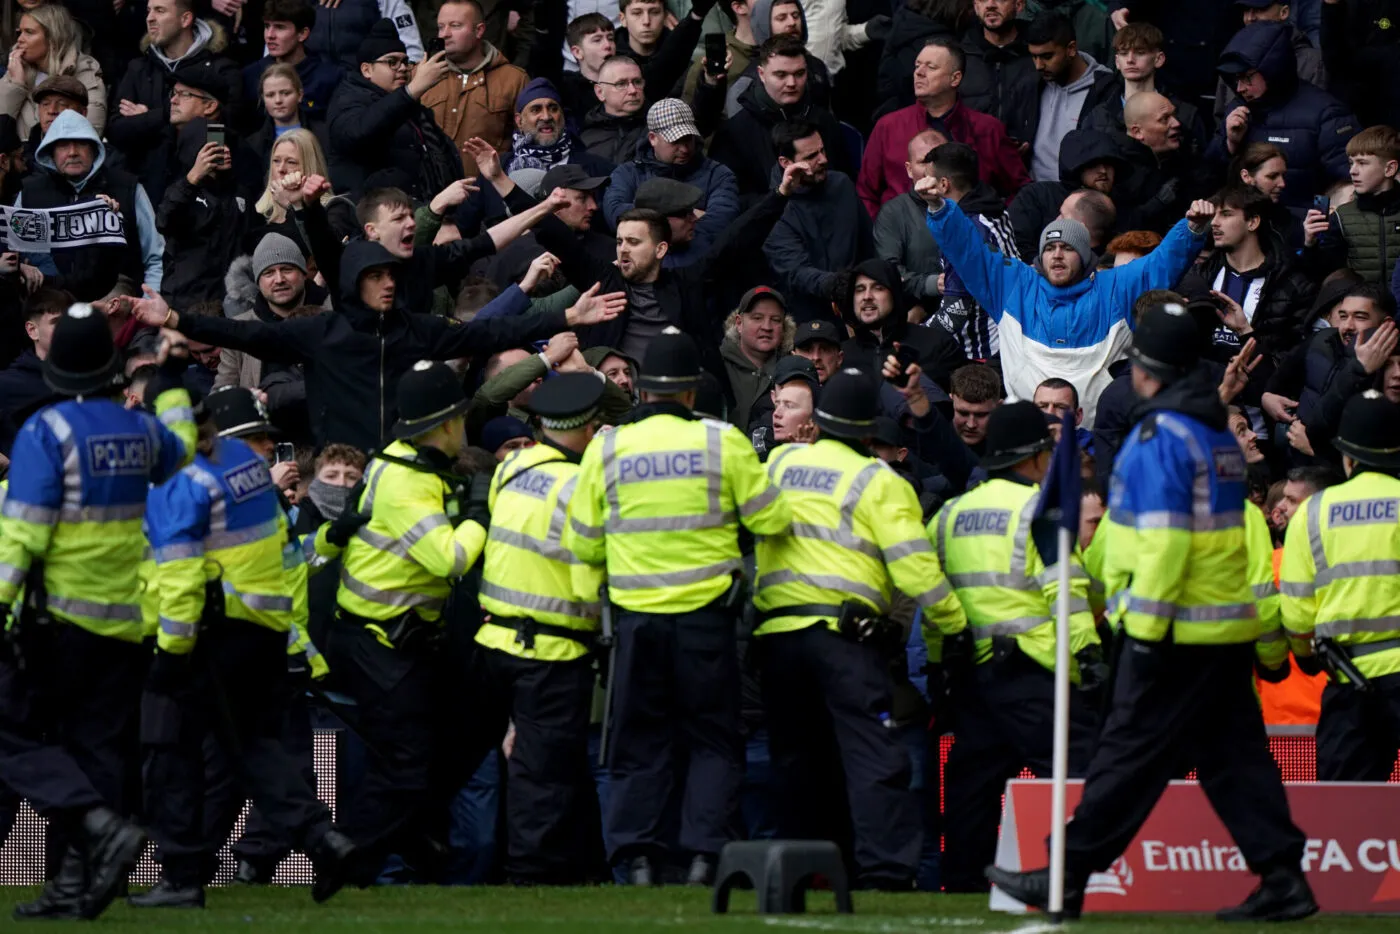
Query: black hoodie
{"points": [[1039, 202], [355, 356], [939, 352]]}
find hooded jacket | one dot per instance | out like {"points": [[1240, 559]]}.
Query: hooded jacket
{"points": [[720, 200], [1309, 125], [901, 236], [22, 393], [480, 104], [747, 381], [745, 141], [202, 224], [1039, 202], [382, 139], [939, 353], [1058, 110], [89, 272], [760, 23], [882, 173], [814, 241], [1074, 332], [613, 138], [1310, 71], [147, 140], [354, 357], [244, 302], [996, 79]]}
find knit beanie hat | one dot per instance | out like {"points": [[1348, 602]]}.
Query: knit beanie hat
{"points": [[501, 429], [276, 250], [1074, 234], [537, 88], [382, 39]]}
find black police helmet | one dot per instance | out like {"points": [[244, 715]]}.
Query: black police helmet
{"points": [[1370, 431], [429, 394], [1015, 431], [849, 402], [671, 364], [237, 413], [1167, 342], [82, 358]]}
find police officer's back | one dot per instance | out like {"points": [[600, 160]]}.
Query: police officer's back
{"points": [[658, 503], [1338, 582], [823, 595]]}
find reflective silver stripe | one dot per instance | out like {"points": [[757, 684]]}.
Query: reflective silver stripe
{"points": [[1319, 553], [1272, 635], [11, 574], [1264, 590], [933, 595], [1292, 589], [1216, 613], [123, 513], [714, 466], [400, 546], [1342, 627], [218, 509], [179, 630], [1152, 607], [715, 517], [684, 523], [609, 459], [1350, 569], [178, 551], [311, 650], [292, 556], [260, 601], [398, 599], [583, 529], [72, 470], [1023, 536], [822, 533], [538, 604], [673, 578], [783, 453], [1010, 627], [853, 494], [1200, 484], [761, 501], [217, 541], [1079, 605], [459, 560], [1356, 650], [176, 414], [915, 546], [561, 509], [24, 512], [1179, 520], [990, 579], [825, 582], [1051, 575], [548, 549], [115, 611], [375, 473]]}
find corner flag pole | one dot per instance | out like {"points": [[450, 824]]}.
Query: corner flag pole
{"points": [[1060, 769]]}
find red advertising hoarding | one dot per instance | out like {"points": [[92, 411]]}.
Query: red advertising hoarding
{"points": [[1184, 860]]}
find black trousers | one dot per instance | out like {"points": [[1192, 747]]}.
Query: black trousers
{"points": [[675, 729], [550, 803], [827, 700], [68, 724], [237, 696], [1176, 706], [1358, 735], [1005, 722]]}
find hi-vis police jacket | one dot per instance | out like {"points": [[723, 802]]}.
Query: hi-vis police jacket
{"points": [[407, 555], [1341, 558], [659, 500], [855, 535], [219, 517], [78, 480], [1176, 560], [985, 545], [528, 572]]}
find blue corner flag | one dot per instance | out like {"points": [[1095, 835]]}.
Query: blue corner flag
{"points": [[1059, 495]]}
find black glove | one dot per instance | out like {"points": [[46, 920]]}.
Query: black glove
{"points": [[700, 8], [1272, 675], [169, 673], [959, 651], [476, 509], [877, 28], [1309, 665], [351, 520], [1093, 670]]}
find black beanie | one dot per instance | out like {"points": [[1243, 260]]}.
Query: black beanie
{"points": [[383, 39]]}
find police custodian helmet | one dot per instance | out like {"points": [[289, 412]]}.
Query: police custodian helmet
{"points": [[848, 405], [1166, 342], [1369, 432], [429, 394], [671, 364], [82, 358], [1015, 431]]}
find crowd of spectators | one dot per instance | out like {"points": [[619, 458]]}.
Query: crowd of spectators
{"points": [[324, 193]]}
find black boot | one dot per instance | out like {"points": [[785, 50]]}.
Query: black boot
{"points": [[702, 871], [254, 872], [61, 893], [167, 894], [1283, 895], [1033, 888], [640, 872], [113, 847], [331, 856]]}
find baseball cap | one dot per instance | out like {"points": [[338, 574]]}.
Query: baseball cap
{"points": [[672, 119], [817, 331], [757, 292], [887, 432], [794, 367], [572, 176]]}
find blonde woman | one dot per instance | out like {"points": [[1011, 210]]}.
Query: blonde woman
{"points": [[49, 43], [296, 153]]}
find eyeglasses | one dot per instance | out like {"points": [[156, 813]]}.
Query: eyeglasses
{"points": [[183, 95], [624, 84], [395, 63]]}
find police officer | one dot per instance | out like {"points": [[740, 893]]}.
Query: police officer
{"points": [[226, 608], [538, 669], [822, 595], [72, 538], [1005, 705], [658, 502], [394, 581], [1176, 576], [1338, 582]]}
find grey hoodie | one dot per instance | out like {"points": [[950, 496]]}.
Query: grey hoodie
{"points": [[1059, 113], [203, 33]]}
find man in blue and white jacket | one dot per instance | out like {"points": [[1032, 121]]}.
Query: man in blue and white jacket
{"points": [[1060, 317]]}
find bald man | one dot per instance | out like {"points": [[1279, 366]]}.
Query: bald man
{"points": [[1165, 174], [900, 233], [1095, 210]]}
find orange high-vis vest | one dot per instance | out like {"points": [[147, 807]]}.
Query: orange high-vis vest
{"points": [[1298, 698]]}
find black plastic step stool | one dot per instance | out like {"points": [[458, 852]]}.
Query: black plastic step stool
{"points": [[781, 871]]}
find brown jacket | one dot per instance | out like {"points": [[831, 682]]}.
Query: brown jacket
{"points": [[479, 104]]}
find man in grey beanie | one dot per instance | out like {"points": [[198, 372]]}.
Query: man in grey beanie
{"points": [[1060, 318]]}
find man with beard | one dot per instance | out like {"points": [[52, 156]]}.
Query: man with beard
{"points": [[542, 140], [1089, 160], [998, 71], [1071, 84]]}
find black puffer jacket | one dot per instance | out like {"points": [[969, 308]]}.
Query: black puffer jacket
{"points": [[995, 78], [745, 141], [355, 356], [613, 138], [383, 139], [1039, 202]]}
